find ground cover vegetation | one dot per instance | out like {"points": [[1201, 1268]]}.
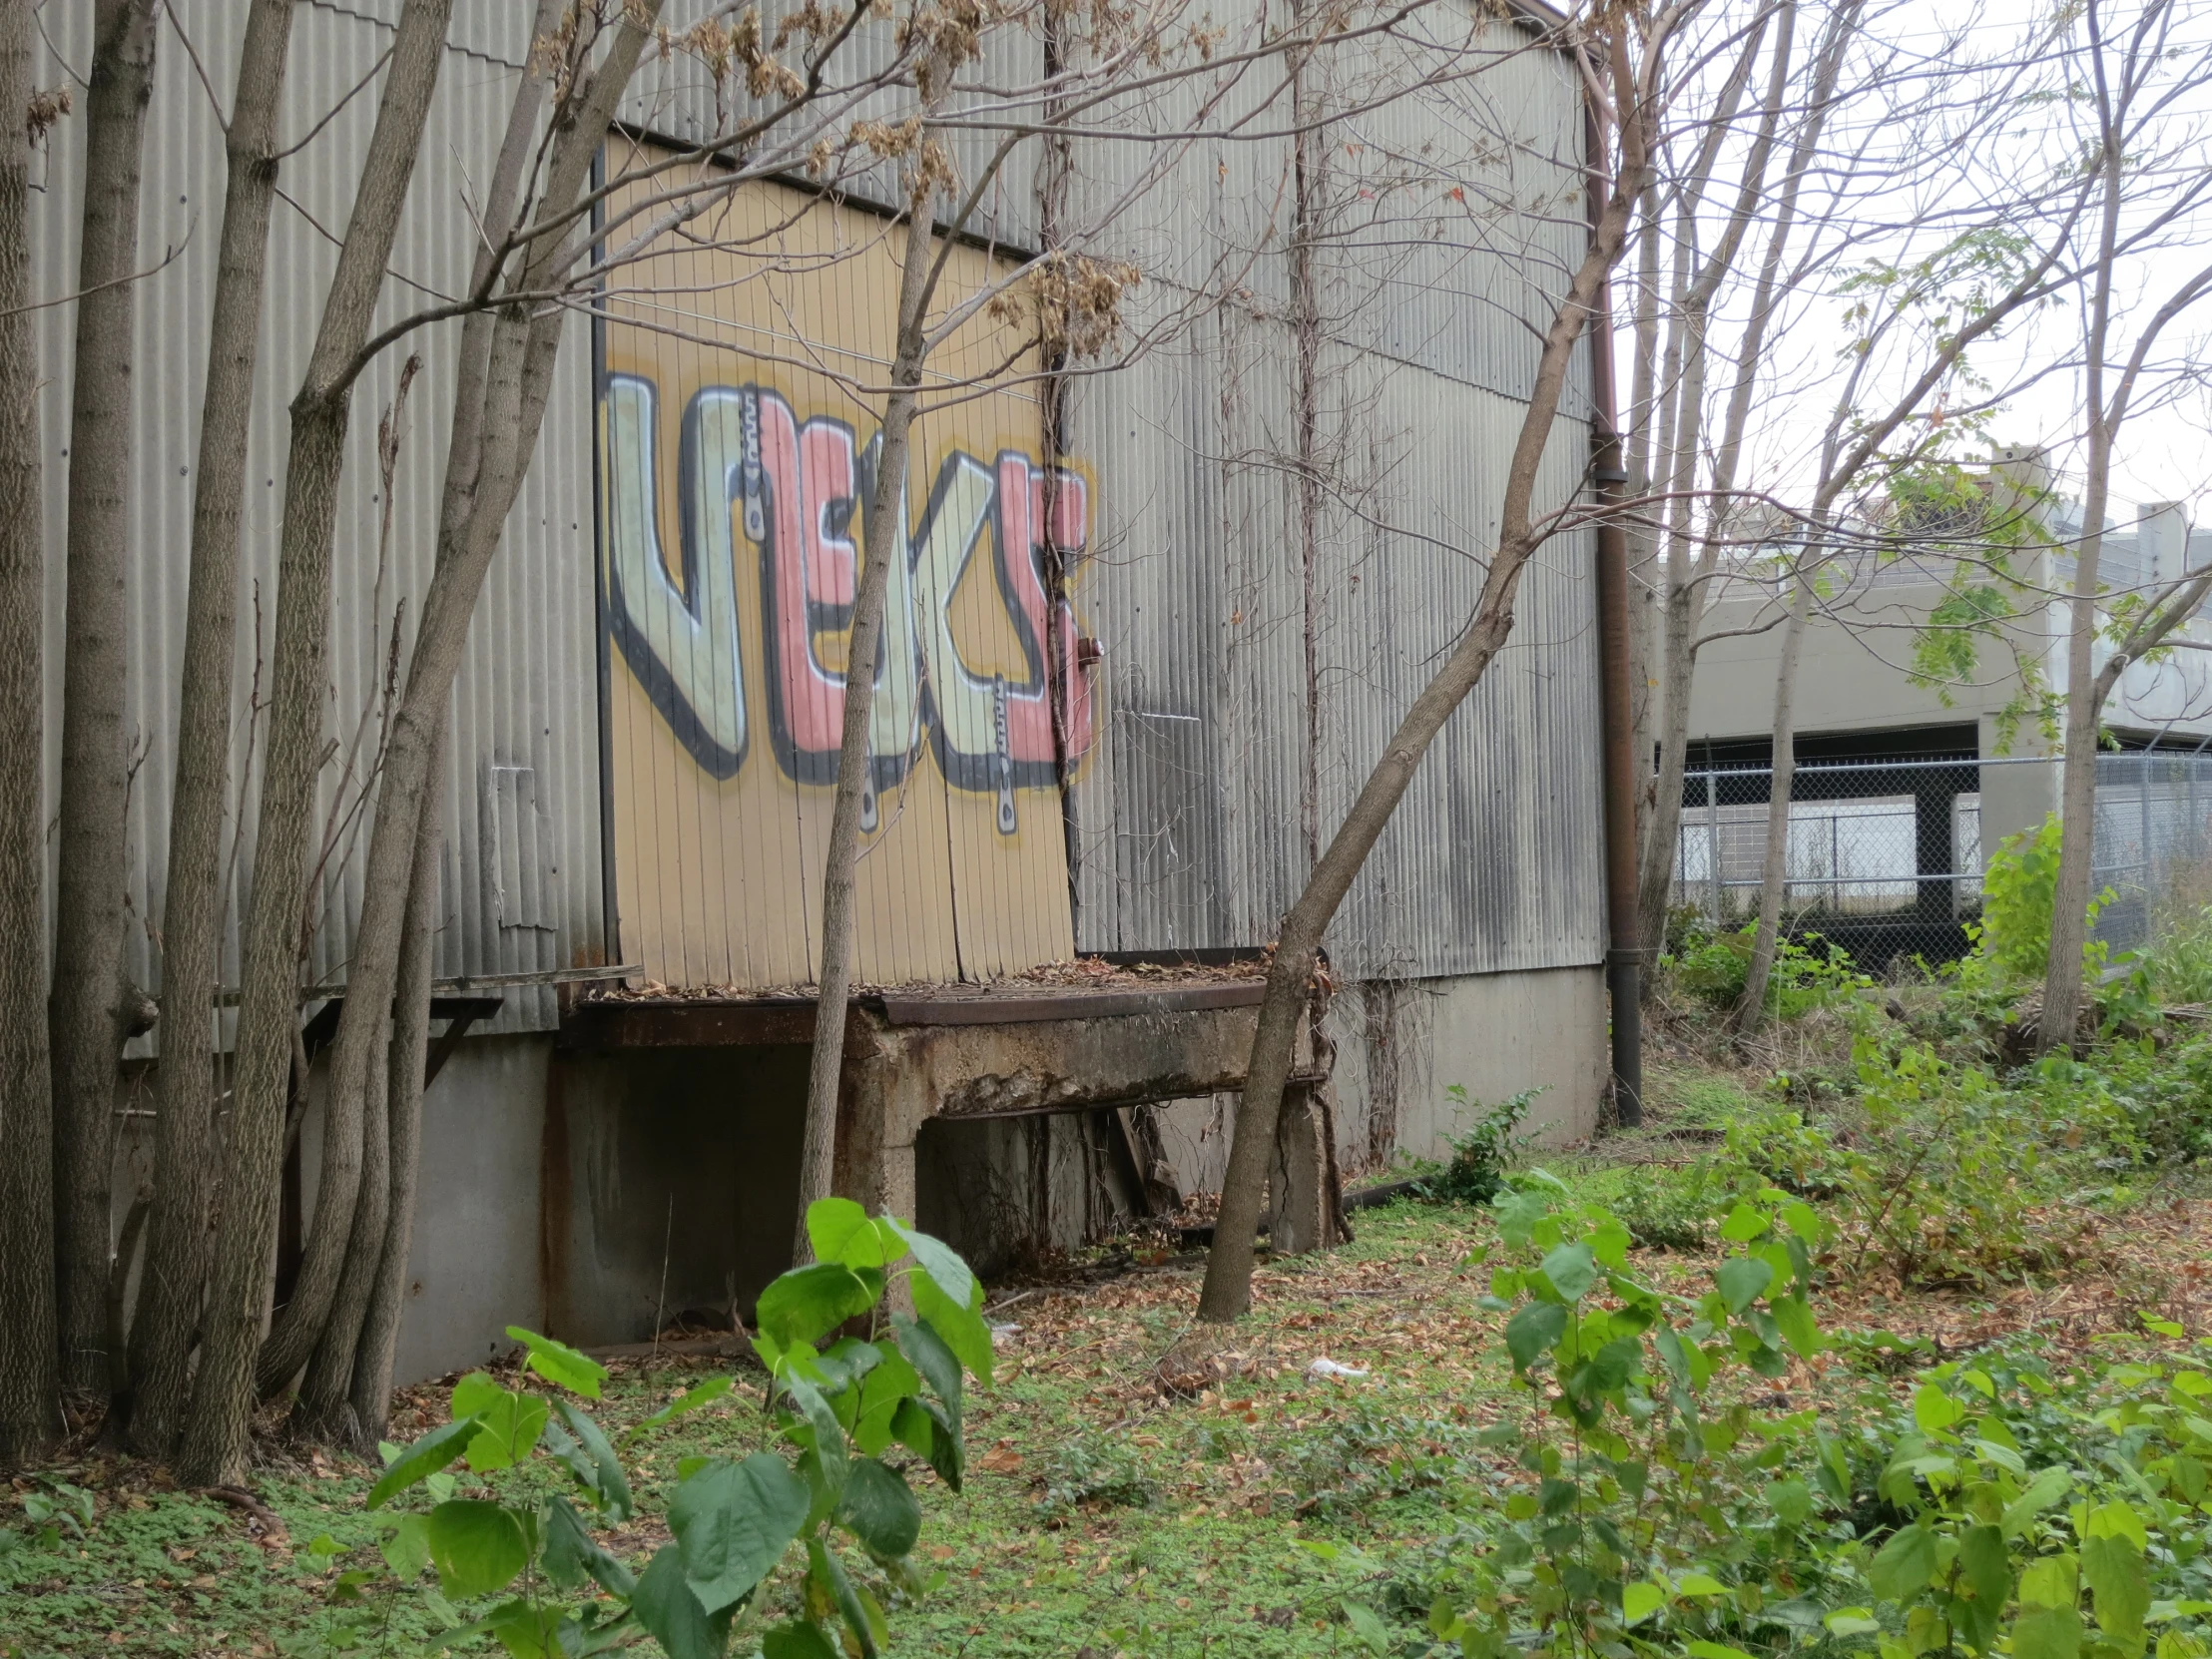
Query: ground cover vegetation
{"points": [[1870, 1340]]}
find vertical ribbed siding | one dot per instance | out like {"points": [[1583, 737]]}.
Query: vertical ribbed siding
{"points": [[524, 711], [1448, 222], [673, 98]]}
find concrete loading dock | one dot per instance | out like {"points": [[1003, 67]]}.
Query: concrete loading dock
{"points": [[648, 1090]]}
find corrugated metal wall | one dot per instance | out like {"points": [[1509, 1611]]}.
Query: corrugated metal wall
{"points": [[1444, 223], [1448, 218], [522, 888]]}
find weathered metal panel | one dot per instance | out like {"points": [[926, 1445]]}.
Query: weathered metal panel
{"points": [[741, 398], [1457, 212], [525, 703], [1191, 821], [674, 97], [1493, 859]]}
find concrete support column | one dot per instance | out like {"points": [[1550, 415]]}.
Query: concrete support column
{"points": [[1297, 1183]]}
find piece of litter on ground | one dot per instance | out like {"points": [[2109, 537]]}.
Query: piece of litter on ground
{"points": [[1326, 1366], [999, 1333]]}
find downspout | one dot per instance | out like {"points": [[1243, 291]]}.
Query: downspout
{"points": [[1624, 953]]}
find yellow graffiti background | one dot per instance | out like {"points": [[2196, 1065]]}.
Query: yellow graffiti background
{"points": [[718, 879]]}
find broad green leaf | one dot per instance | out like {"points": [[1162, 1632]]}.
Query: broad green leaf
{"points": [[1742, 1225], [528, 1630], [1983, 1583], [734, 1521], [1714, 1650], [829, 1576], [424, 1459], [2113, 1568], [1791, 1500], [682, 1405], [1932, 1408], [2045, 1489], [1640, 1600], [478, 1547], [942, 1264], [921, 1426], [572, 1554], [2116, 1520], [1534, 1331], [921, 1345], [1802, 1220], [664, 1603], [2050, 1581], [2046, 1633], [831, 1456], [880, 1391], [1793, 1315], [797, 1639], [804, 1304], [962, 1328], [1699, 1584], [559, 1364], [1609, 1242], [1518, 1212], [1742, 1281], [840, 1231], [1367, 1626], [1572, 1270], [592, 1461], [1852, 1621], [509, 1423], [880, 1510], [1904, 1566], [408, 1550]]}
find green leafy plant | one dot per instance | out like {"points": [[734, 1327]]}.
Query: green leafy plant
{"points": [[54, 1507], [2040, 1525], [2019, 892], [1810, 972], [838, 1408], [1091, 1471], [1642, 1489], [1481, 1156]]}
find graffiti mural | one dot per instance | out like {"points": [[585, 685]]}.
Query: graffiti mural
{"points": [[738, 456], [797, 487]]}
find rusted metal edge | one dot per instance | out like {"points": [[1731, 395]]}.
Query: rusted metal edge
{"points": [[997, 1009], [740, 1022], [702, 1023]]}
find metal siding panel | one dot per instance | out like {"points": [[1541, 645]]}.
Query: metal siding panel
{"points": [[730, 624], [672, 97], [527, 691]]}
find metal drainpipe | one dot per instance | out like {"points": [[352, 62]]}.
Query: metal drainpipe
{"points": [[1625, 955]]}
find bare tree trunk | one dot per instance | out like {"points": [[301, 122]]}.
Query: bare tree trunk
{"points": [[495, 433], [175, 1280], [2077, 788], [1228, 1287], [370, 1392], [222, 1391], [887, 541], [89, 872], [30, 1415], [1686, 604], [1774, 868]]}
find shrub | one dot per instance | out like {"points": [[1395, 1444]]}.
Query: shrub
{"points": [[1095, 1472], [1480, 1157], [1809, 972], [552, 1587], [2001, 1510], [2019, 892]]}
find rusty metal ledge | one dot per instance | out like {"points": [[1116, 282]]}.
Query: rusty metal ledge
{"points": [[740, 1022], [1000, 1005]]}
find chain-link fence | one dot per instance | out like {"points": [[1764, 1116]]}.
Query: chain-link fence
{"points": [[1885, 857]]}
